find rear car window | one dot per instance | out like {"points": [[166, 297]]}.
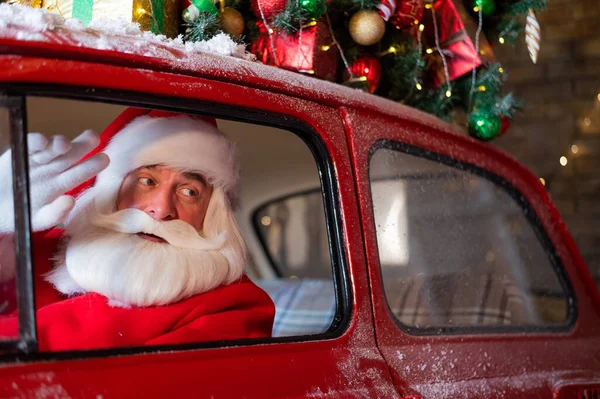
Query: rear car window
{"points": [[456, 249]]}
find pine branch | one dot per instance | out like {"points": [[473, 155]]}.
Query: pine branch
{"points": [[434, 102], [352, 6], [205, 27], [508, 106], [491, 78], [523, 6], [510, 29], [291, 18]]}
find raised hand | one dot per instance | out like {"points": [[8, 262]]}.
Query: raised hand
{"points": [[53, 170]]}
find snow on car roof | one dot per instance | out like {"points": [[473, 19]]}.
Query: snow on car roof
{"points": [[33, 30]]}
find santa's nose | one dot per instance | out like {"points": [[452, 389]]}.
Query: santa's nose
{"points": [[160, 205]]}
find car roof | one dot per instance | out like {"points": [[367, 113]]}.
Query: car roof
{"points": [[48, 36]]}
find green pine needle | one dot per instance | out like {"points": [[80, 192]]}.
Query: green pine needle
{"points": [[510, 29], [508, 106], [351, 6], [205, 27], [523, 6], [291, 18], [433, 101]]}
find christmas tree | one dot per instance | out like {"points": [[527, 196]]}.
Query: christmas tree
{"points": [[434, 55]]}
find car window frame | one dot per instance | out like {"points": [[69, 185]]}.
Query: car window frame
{"points": [[329, 189], [26, 341], [530, 215]]}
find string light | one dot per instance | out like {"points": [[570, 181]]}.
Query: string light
{"points": [[448, 93], [476, 9], [418, 86], [422, 28], [574, 148], [482, 88], [429, 51], [325, 47], [362, 78], [366, 70], [501, 40], [416, 21], [265, 221], [428, 6], [543, 181], [140, 11], [564, 161], [271, 31], [501, 70]]}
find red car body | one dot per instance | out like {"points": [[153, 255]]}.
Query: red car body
{"points": [[363, 360]]}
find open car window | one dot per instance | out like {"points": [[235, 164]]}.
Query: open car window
{"points": [[273, 163], [458, 250]]}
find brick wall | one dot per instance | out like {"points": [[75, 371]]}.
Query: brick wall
{"points": [[562, 108]]}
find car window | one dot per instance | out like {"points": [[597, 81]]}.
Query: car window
{"points": [[8, 297], [459, 250], [293, 234], [112, 258]]}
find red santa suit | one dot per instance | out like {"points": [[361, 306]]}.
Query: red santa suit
{"points": [[89, 321]]}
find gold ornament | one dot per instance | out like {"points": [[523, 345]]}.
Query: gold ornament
{"points": [[367, 27], [532, 36], [30, 3], [232, 21]]}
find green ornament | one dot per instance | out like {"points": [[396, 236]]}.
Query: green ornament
{"points": [[484, 125], [314, 8], [206, 6], [487, 6]]}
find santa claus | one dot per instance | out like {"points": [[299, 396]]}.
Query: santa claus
{"points": [[151, 253]]}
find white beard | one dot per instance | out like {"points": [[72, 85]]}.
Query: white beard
{"points": [[105, 255]]}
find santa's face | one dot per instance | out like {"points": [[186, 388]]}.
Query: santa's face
{"points": [[147, 252], [166, 194]]}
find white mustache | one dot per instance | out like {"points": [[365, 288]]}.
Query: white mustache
{"points": [[176, 232]]}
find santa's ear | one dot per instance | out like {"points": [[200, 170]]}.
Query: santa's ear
{"points": [[219, 219]]}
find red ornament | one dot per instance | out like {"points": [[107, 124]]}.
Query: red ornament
{"points": [[314, 55], [269, 8], [366, 68], [504, 125], [408, 13]]}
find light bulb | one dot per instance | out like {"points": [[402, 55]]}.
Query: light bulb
{"points": [[564, 161]]}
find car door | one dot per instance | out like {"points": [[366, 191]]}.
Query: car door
{"points": [[342, 362], [478, 290]]}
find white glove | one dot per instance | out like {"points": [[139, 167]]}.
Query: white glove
{"points": [[53, 170]]}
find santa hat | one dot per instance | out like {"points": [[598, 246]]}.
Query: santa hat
{"points": [[141, 137]]}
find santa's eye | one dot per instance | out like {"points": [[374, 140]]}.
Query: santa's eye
{"points": [[188, 192], [146, 181]]}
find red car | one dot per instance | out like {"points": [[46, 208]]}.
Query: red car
{"points": [[405, 259]]}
